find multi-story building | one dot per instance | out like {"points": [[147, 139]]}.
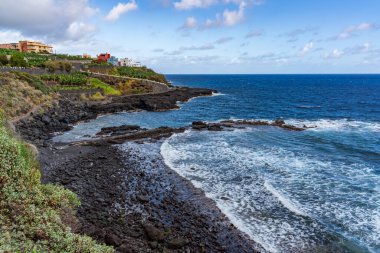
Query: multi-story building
{"points": [[13, 46], [29, 47], [126, 62], [35, 47]]}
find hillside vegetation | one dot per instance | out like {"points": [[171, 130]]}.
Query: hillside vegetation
{"points": [[134, 72], [141, 72], [34, 217], [20, 92], [33, 59]]}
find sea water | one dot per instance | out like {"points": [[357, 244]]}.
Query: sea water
{"points": [[312, 191]]}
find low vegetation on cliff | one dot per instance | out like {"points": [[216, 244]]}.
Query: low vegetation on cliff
{"points": [[34, 217], [106, 88], [141, 72], [20, 92], [133, 72]]}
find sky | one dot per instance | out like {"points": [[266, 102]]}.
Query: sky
{"points": [[207, 36]]}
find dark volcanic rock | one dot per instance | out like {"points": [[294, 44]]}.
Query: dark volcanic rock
{"points": [[119, 130], [70, 110], [154, 233], [177, 243], [215, 127], [279, 122], [140, 208], [199, 125], [112, 239]]}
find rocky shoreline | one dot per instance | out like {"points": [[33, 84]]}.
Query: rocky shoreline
{"points": [[130, 198], [69, 110]]}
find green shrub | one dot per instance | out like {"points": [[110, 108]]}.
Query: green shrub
{"points": [[17, 96], [53, 66], [70, 57], [107, 89], [30, 213], [32, 80], [34, 60], [75, 79], [17, 60], [83, 97], [97, 97], [70, 87], [3, 59], [141, 72]]}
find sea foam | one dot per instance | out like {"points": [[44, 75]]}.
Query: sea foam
{"points": [[285, 199]]}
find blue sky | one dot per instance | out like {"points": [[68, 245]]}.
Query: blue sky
{"points": [[208, 36]]}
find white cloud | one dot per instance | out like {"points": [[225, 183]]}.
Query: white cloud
{"points": [[335, 54], [223, 40], [358, 49], [191, 4], [120, 9], [76, 30], [44, 18], [190, 23], [300, 31], [253, 34], [196, 48], [351, 30], [227, 18], [231, 18], [10, 36], [306, 49]]}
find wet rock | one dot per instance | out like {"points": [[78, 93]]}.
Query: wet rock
{"points": [[177, 243], [119, 130], [279, 122], [154, 234], [153, 245], [143, 198], [215, 128], [292, 128], [112, 239], [124, 249], [199, 125]]}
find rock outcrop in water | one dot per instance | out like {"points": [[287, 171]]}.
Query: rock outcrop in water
{"points": [[226, 124]]}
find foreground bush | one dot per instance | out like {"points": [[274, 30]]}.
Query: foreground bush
{"points": [[30, 213]]}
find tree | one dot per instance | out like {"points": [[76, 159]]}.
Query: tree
{"points": [[17, 60], [3, 59]]}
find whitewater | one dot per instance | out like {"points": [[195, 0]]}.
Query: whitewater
{"points": [[309, 191]]}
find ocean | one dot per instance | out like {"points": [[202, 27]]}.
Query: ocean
{"points": [[312, 191]]}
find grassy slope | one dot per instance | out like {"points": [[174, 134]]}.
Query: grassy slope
{"points": [[19, 94], [107, 89], [31, 214]]}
